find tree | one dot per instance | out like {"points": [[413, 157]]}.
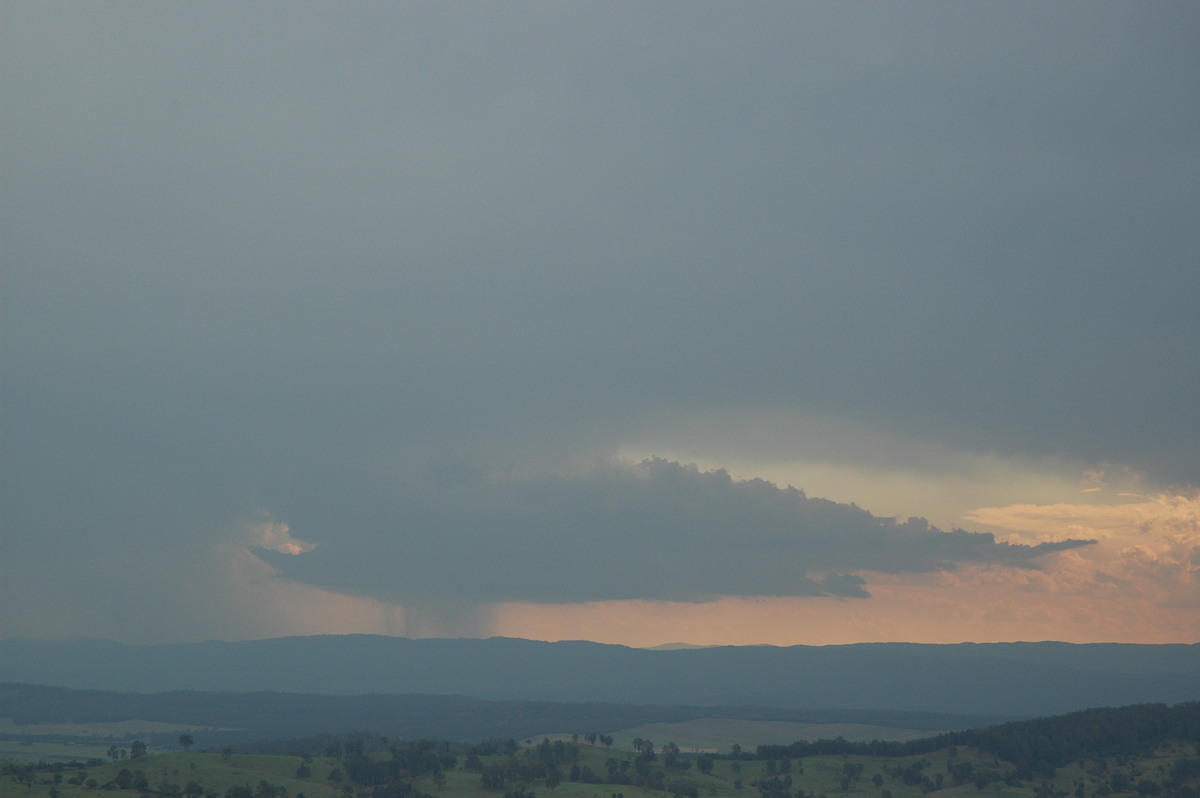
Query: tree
{"points": [[492, 777], [671, 754], [124, 779], [185, 740], [137, 750]]}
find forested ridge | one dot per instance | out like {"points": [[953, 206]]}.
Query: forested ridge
{"points": [[1092, 733], [1038, 745]]}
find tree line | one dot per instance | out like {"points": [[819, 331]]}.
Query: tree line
{"points": [[1034, 747]]}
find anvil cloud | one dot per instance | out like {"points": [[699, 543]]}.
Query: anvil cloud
{"points": [[655, 530], [317, 315]]}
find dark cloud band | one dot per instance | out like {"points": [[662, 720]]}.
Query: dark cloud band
{"points": [[652, 530]]}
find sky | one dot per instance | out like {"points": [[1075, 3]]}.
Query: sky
{"points": [[644, 323]]}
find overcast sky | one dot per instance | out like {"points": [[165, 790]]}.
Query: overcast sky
{"points": [[637, 322]]}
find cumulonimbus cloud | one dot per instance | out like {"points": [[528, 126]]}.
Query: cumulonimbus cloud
{"points": [[651, 530], [1149, 546]]}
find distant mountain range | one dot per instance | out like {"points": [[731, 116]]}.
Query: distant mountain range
{"points": [[217, 719], [993, 679]]}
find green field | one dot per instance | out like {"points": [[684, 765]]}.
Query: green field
{"points": [[170, 774], [63, 742], [207, 774]]}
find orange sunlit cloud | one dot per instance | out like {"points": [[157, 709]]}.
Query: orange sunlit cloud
{"points": [[1148, 547], [1139, 583], [925, 613]]}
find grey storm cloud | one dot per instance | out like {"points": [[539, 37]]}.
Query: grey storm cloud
{"points": [[976, 226], [654, 530], [288, 256]]}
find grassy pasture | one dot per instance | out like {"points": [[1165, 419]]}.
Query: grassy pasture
{"points": [[65, 742], [22, 751], [214, 772], [169, 773]]}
